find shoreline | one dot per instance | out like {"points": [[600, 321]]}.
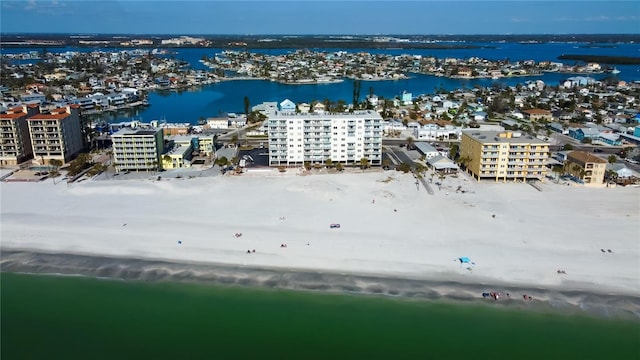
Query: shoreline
{"points": [[444, 289]]}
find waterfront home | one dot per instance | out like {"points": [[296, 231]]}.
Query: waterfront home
{"points": [[586, 166], [33, 98], [442, 164], [304, 107], [318, 108], [287, 106], [218, 123], [266, 107]]}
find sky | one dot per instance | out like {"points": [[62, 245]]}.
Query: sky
{"points": [[301, 17]]}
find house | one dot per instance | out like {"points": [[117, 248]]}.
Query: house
{"points": [[559, 128], [425, 149], [537, 114], [318, 108], [442, 164], [287, 106], [304, 107], [622, 171], [218, 123], [584, 133], [610, 139], [586, 166]]}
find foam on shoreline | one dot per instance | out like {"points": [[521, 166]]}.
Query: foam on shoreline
{"points": [[605, 305]]}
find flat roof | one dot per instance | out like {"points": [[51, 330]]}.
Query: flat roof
{"points": [[324, 116], [134, 132], [494, 137]]}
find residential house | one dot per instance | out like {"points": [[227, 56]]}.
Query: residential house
{"points": [[537, 115], [426, 149], [218, 123], [442, 164], [287, 106]]}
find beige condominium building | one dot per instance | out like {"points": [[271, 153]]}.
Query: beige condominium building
{"points": [[56, 134], [15, 142], [503, 155], [137, 149], [586, 166]]}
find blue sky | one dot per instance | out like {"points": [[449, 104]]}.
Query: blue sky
{"points": [[319, 17]]}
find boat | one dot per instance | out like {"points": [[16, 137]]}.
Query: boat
{"points": [[615, 71]]}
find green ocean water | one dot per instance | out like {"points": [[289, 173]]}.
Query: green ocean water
{"points": [[52, 317]]}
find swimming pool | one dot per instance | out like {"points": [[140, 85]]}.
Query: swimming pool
{"points": [[42, 168]]}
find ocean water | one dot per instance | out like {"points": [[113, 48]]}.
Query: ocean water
{"points": [[54, 317]]}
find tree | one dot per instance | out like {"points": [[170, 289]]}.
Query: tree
{"points": [[410, 142], [557, 169], [328, 162], [567, 147], [404, 167], [612, 159], [453, 151], [364, 163], [56, 163], [307, 165], [339, 167], [247, 105]]}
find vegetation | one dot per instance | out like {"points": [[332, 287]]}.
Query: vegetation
{"points": [[82, 162], [404, 167]]}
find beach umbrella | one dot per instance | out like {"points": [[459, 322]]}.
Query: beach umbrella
{"points": [[465, 260]]}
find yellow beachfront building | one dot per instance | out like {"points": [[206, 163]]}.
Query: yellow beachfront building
{"points": [[503, 155], [586, 166]]}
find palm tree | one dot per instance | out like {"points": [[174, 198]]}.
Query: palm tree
{"points": [[328, 162], [558, 170], [409, 142], [612, 159], [364, 163]]}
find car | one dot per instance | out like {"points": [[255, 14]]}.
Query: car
{"points": [[334, 226]]}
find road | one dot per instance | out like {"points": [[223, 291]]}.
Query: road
{"points": [[401, 156]]}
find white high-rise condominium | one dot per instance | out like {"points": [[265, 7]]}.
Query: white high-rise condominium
{"points": [[344, 138]]}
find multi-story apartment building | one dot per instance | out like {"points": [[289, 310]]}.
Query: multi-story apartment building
{"points": [[15, 142], [56, 134], [137, 149], [344, 138], [503, 155], [586, 166]]}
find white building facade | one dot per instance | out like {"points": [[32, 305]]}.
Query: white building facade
{"points": [[344, 138]]}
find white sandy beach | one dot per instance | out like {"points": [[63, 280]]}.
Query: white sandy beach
{"points": [[533, 234]]}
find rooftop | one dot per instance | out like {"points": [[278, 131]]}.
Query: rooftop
{"points": [[583, 157], [505, 137], [136, 132]]}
